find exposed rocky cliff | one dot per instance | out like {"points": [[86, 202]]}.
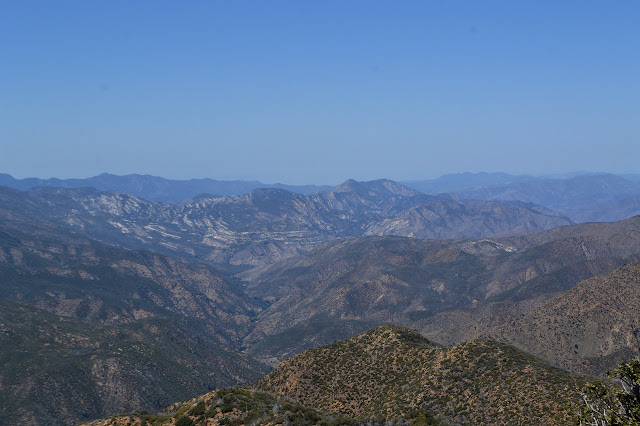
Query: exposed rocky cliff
{"points": [[267, 225]]}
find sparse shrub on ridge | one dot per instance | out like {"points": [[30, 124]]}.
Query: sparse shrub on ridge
{"points": [[608, 405]]}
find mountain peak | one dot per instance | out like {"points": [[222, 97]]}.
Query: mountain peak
{"points": [[347, 185], [381, 373], [380, 187], [392, 335]]}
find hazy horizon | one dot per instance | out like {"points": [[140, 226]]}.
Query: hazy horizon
{"points": [[316, 92], [334, 183]]}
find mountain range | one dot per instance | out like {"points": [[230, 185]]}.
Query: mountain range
{"points": [[122, 327], [583, 198], [155, 188], [114, 303], [267, 225]]}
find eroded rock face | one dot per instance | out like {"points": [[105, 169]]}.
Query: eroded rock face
{"points": [[268, 225]]}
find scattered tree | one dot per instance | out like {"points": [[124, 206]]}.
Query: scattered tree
{"points": [[617, 406]]}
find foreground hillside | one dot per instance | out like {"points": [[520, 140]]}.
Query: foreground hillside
{"points": [[390, 371], [239, 406], [391, 375]]}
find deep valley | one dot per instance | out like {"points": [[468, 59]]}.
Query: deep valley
{"points": [[112, 303]]}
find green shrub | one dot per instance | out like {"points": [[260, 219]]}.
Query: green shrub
{"points": [[184, 421], [198, 409]]}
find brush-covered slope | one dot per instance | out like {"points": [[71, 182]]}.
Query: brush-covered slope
{"points": [[390, 371], [267, 225], [347, 287], [89, 330], [388, 376], [57, 370], [549, 264], [590, 328], [450, 290], [241, 406], [110, 285]]}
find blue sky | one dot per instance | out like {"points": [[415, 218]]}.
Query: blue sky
{"points": [[318, 91]]}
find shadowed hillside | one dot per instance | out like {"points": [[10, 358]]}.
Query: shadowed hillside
{"points": [[88, 330], [109, 285], [58, 370]]}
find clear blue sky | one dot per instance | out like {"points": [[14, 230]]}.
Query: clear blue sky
{"points": [[318, 91]]}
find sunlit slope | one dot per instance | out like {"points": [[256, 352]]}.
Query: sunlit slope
{"points": [[391, 371]]}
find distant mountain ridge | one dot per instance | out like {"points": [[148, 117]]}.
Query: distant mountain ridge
{"points": [[268, 224], [461, 181], [585, 197], [580, 196], [155, 188]]}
